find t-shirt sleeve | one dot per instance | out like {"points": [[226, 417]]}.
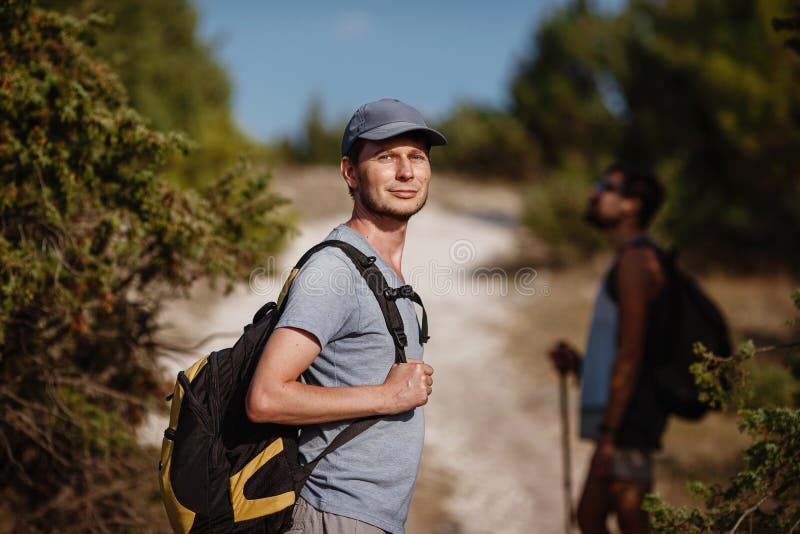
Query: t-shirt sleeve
{"points": [[322, 298]]}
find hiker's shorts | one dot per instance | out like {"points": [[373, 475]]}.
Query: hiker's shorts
{"points": [[309, 520], [634, 465]]}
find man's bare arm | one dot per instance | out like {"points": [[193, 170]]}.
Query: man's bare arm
{"points": [[638, 282], [276, 396]]}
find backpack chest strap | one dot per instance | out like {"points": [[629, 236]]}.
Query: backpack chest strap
{"points": [[385, 295], [407, 292]]}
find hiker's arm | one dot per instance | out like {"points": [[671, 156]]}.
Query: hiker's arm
{"points": [[637, 286], [276, 396]]}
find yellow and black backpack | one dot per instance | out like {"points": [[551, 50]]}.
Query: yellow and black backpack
{"points": [[219, 471]]}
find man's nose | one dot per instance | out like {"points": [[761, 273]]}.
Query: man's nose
{"points": [[405, 170]]}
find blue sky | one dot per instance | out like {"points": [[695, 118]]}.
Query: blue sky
{"points": [[280, 55]]}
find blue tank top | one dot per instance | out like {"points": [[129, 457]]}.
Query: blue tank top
{"points": [[601, 350]]}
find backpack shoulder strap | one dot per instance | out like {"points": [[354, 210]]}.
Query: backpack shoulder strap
{"points": [[377, 284], [351, 431], [384, 294], [407, 292], [386, 297]]}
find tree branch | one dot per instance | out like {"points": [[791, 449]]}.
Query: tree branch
{"points": [[749, 511], [777, 347], [796, 524], [18, 466]]}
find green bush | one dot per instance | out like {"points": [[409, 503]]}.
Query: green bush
{"points": [[772, 385], [171, 77], [92, 241], [554, 209], [765, 495], [487, 144], [320, 143]]}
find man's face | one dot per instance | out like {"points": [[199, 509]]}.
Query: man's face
{"points": [[391, 177], [606, 203]]}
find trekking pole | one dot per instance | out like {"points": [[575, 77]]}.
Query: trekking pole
{"points": [[565, 449]]}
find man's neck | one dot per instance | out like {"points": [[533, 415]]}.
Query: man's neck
{"points": [[621, 234], [386, 235]]}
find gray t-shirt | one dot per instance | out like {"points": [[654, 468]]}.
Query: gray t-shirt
{"points": [[372, 477]]}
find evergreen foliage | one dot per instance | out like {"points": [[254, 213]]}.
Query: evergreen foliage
{"points": [[702, 90], [554, 208], [319, 143], [171, 77], [790, 24], [765, 495], [485, 144], [93, 240]]}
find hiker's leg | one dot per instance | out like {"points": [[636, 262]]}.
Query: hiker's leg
{"points": [[595, 505], [633, 477], [628, 497]]}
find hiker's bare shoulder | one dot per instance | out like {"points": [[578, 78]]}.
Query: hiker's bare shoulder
{"points": [[639, 263]]}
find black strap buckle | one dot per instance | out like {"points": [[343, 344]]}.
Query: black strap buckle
{"points": [[401, 338], [402, 292]]}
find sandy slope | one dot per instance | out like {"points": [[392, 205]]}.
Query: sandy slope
{"points": [[492, 460], [493, 422]]}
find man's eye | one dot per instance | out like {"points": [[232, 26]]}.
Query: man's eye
{"points": [[385, 156]]}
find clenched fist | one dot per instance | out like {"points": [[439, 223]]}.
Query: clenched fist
{"points": [[408, 385], [565, 358]]}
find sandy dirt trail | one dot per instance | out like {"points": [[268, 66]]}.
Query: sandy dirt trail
{"points": [[492, 452], [492, 424]]}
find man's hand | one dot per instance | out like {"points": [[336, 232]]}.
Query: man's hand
{"points": [[565, 358], [603, 458], [408, 385]]}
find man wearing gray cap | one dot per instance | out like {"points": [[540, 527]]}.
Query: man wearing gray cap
{"points": [[333, 332]]}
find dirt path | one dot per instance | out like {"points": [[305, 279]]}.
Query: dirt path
{"points": [[492, 424], [492, 460]]}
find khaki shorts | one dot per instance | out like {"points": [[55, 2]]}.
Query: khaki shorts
{"points": [[634, 465], [308, 520]]}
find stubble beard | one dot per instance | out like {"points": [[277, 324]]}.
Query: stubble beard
{"points": [[375, 207], [593, 218]]}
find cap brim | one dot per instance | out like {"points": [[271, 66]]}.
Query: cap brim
{"points": [[396, 128]]}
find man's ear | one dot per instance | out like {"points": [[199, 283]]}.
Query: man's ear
{"points": [[349, 173]]}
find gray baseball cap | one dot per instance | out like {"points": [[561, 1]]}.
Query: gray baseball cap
{"points": [[384, 119]]}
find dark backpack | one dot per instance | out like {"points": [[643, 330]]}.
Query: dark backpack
{"points": [[687, 315], [219, 471]]}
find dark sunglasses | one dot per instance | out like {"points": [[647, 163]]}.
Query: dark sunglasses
{"points": [[605, 185]]}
